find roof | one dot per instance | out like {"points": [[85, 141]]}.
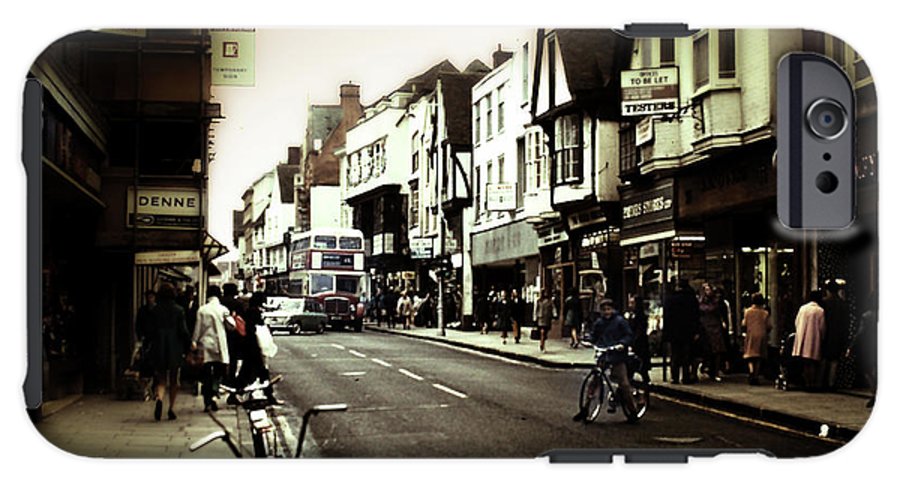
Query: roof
{"points": [[593, 59], [286, 182], [425, 82], [457, 96], [321, 120]]}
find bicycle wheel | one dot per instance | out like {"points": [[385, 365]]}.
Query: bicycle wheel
{"points": [[260, 444], [591, 399]]}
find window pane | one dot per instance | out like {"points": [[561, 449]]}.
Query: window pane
{"points": [[814, 41], [347, 284], [726, 53], [321, 283], [325, 243], [666, 52], [350, 243], [701, 61]]}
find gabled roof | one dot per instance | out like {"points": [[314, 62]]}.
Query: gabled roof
{"points": [[321, 120], [286, 182], [456, 90], [424, 82], [593, 59]]}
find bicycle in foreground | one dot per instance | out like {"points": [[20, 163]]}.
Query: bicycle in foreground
{"points": [[599, 388], [263, 430]]}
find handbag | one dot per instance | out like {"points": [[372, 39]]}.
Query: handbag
{"points": [[195, 358], [266, 343]]}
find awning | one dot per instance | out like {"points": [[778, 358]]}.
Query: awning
{"points": [[212, 248]]}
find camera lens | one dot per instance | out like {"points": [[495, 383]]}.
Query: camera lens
{"points": [[826, 118]]}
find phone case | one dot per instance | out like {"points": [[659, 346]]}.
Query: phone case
{"points": [[564, 243]]}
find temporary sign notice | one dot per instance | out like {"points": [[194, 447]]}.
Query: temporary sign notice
{"points": [[650, 91], [233, 57]]}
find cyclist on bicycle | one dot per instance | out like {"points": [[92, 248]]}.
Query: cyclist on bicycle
{"points": [[611, 330]]}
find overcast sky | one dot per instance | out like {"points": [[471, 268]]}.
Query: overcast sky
{"points": [[296, 67]]}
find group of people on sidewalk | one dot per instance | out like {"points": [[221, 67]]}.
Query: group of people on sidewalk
{"points": [[696, 330], [216, 340], [408, 308]]}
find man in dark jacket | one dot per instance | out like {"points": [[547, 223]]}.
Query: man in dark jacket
{"points": [[837, 333], [681, 328], [611, 330]]}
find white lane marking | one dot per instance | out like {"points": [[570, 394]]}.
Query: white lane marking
{"points": [[449, 391], [339, 347], [382, 362], [356, 353], [353, 374], [410, 374]]}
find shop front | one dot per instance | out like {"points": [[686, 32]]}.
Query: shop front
{"points": [[595, 235], [557, 269], [658, 249], [506, 258]]}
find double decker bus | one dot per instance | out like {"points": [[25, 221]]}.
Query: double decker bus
{"points": [[329, 265]]}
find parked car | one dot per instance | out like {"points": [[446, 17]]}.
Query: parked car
{"points": [[297, 315]]}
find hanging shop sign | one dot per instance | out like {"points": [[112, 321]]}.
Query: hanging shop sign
{"points": [[166, 257], [501, 197], [163, 208], [643, 131], [233, 57], [421, 248], [650, 91]]}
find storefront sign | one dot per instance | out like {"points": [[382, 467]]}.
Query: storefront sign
{"points": [[166, 257], [599, 239], [164, 208], [684, 250], [504, 243], [501, 197], [233, 57], [421, 248], [732, 184], [650, 91], [643, 131], [649, 207]]}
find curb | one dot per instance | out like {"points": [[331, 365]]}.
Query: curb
{"points": [[798, 423]]}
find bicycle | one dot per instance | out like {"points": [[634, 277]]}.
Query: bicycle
{"points": [[597, 382], [263, 431]]}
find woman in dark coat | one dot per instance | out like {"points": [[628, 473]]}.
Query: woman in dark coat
{"points": [[637, 319], [504, 315], [712, 322], [168, 339], [573, 317]]}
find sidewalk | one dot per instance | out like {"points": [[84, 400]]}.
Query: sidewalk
{"points": [[843, 413], [100, 426]]}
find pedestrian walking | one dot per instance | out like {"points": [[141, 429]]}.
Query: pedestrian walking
{"points": [[863, 347], [210, 338], [712, 321], [483, 313], [504, 316], [380, 306], [681, 328], [390, 306], [573, 317], [405, 310], [637, 319], [253, 364], [837, 333], [517, 308], [544, 313], [758, 325], [165, 329], [235, 339], [810, 331]]}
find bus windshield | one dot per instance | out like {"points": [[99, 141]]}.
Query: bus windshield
{"points": [[350, 243], [325, 243], [348, 284], [320, 283]]}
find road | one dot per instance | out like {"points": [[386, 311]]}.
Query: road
{"points": [[415, 398]]}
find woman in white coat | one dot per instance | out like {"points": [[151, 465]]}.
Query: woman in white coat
{"points": [[210, 339]]}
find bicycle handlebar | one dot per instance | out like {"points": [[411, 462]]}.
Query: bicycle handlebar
{"points": [[256, 386]]}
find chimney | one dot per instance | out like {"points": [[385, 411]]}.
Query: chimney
{"points": [[350, 106], [349, 94], [293, 155], [500, 56]]}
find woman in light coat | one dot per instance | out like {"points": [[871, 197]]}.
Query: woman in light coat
{"points": [[810, 324], [757, 324]]}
